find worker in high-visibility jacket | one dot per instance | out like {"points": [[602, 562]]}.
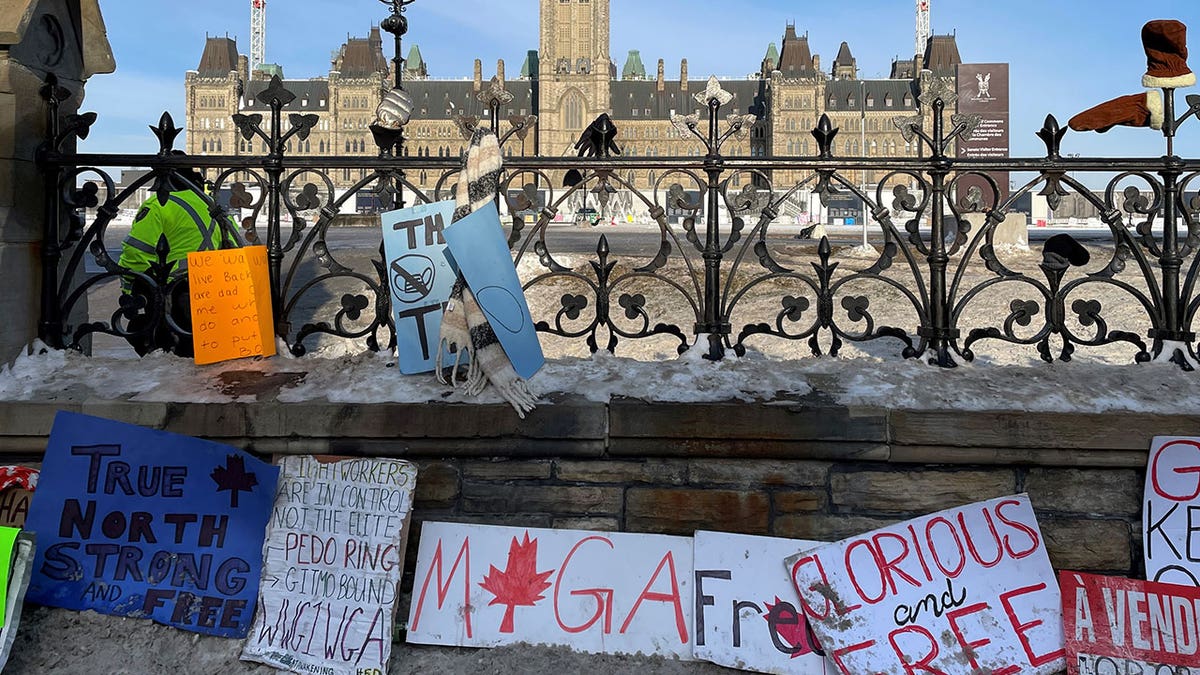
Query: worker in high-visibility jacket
{"points": [[188, 226]]}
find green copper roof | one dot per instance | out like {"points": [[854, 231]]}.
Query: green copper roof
{"points": [[414, 61], [633, 70], [772, 56]]}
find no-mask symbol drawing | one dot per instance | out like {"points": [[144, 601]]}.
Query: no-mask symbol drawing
{"points": [[412, 277]]}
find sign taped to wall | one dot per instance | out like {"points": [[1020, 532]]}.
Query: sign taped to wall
{"points": [[148, 524], [333, 559], [963, 590], [1118, 625], [1171, 513], [230, 293], [595, 592], [748, 615]]}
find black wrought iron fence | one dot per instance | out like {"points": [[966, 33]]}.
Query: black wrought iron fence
{"points": [[937, 284]]}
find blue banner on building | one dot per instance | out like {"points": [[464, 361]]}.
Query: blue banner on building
{"points": [[148, 524]]}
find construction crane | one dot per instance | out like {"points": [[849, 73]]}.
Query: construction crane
{"points": [[923, 28], [258, 33]]}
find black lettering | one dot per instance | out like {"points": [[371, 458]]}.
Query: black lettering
{"points": [[1156, 526], [703, 600], [226, 580], [94, 453], [737, 619], [59, 565], [73, 519], [213, 527]]}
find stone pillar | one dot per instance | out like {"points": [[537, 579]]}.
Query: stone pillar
{"points": [[37, 38]]}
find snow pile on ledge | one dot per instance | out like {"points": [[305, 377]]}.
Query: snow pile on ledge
{"points": [[49, 376]]}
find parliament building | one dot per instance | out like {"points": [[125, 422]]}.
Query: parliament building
{"points": [[574, 79]]}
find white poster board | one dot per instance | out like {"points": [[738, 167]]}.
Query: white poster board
{"points": [[593, 592], [960, 591], [333, 557], [1171, 517], [748, 615]]}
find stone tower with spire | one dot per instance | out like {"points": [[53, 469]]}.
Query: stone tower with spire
{"points": [[576, 70]]}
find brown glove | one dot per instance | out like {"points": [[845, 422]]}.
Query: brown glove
{"points": [[1135, 110]]}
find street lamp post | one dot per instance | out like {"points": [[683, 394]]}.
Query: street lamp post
{"points": [[862, 133]]}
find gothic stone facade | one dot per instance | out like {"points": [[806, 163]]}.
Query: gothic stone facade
{"points": [[577, 80]]}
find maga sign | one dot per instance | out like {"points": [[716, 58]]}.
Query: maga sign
{"points": [[147, 524], [1116, 625], [964, 590], [747, 613], [1172, 514], [334, 555], [420, 277], [597, 592]]}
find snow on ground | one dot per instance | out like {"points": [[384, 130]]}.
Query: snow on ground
{"points": [[864, 381]]}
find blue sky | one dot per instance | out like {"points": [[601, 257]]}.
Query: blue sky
{"points": [[1065, 56]]}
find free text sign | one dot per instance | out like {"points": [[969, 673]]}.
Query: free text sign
{"points": [[148, 524], [963, 590]]}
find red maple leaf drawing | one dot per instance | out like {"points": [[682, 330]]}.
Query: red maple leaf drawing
{"points": [[520, 584], [795, 635]]}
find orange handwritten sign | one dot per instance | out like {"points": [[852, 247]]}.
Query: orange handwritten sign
{"points": [[231, 304]]}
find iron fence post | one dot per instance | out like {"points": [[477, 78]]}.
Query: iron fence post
{"points": [[714, 164], [938, 332], [50, 324], [273, 165], [1170, 261]]}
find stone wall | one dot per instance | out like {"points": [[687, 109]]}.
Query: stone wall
{"points": [[804, 468]]}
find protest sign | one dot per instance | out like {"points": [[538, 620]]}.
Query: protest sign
{"points": [[478, 247], [334, 556], [420, 277], [747, 613], [1117, 625], [963, 590], [148, 524], [595, 592], [17, 484], [17, 565], [1171, 517], [231, 304]]}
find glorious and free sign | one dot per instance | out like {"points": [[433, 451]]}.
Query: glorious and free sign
{"points": [[969, 589]]}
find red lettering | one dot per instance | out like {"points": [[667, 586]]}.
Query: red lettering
{"points": [[837, 654], [1016, 524], [464, 555], [672, 597], [962, 521], [801, 592], [971, 649], [893, 564], [924, 663], [1194, 469], [603, 596], [1022, 628], [876, 563], [920, 554], [962, 555]]}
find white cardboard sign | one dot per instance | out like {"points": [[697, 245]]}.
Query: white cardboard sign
{"points": [[748, 615], [1171, 517], [960, 591], [333, 557], [594, 592]]}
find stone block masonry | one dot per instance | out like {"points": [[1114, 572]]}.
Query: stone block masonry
{"points": [[809, 470]]}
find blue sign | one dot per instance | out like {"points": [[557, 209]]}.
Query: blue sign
{"points": [[148, 524], [477, 245], [420, 278]]}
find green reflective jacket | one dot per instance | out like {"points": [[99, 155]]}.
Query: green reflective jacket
{"points": [[187, 224]]}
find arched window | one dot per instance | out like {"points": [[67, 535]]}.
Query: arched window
{"points": [[908, 101], [572, 107], [347, 146], [204, 145], [888, 100], [832, 101], [218, 145]]}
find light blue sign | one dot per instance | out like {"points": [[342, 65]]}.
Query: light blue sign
{"points": [[148, 524], [420, 278], [477, 245]]}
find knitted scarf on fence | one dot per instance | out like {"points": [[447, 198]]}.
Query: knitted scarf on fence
{"points": [[465, 330]]}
